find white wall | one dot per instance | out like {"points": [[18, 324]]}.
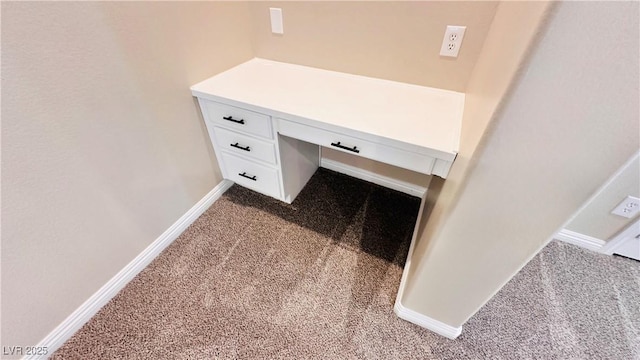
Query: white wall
{"points": [[394, 40], [103, 147], [570, 122]]}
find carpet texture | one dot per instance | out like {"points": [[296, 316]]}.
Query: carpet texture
{"points": [[254, 278]]}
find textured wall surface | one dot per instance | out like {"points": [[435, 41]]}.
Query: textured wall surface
{"points": [[103, 147], [390, 40], [569, 124]]}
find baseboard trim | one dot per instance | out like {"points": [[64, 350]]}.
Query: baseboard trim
{"points": [[581, 240], [85, 312], [426, 322], [366, 175], [632, 230]]}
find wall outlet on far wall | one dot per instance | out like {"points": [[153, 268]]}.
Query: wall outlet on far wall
{"points": [[452, 40], [276, 20], [628, 208]]}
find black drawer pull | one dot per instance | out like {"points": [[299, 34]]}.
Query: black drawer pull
{"points": [[230, 118], [354, 149], [240, 147], [244, 174]]}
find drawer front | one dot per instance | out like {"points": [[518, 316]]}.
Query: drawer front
{"points": [[245, 145], [352, 145], [254, 176], [238, 119]]}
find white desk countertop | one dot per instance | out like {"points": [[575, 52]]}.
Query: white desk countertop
{"points": [[417, 115]]}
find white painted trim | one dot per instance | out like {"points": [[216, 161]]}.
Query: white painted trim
{"points": [[581, 240], [426, 322], [412, 316], [81, 315], [366, 175], [631, 231]]}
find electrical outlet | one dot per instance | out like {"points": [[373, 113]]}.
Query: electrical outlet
{"points": [[628, 208], [276, 20], [452, 40]]}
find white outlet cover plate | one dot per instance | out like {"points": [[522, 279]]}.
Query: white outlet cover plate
{"points": [[452, 40], [628, 208], [276, 20]]}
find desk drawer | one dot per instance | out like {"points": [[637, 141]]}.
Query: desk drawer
{"points": [[238, 119], [352, 145], [245, 145], [254, 176]]}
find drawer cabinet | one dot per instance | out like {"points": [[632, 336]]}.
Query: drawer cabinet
{"points": [[375, 151], [238, 119], [252, 175], [268, 122], [246, 146]]}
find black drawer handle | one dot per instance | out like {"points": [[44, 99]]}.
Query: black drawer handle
{"points": [[240, 147], [230, 118], [354, 149], [244, 174]]}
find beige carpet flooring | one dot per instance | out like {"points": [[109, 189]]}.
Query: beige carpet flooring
{"points": [[254, 278]]}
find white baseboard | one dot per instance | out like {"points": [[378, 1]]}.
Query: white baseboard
{"points": [[366, 175], [581, 240], [631, 231], [80, 316], [426, 322]]}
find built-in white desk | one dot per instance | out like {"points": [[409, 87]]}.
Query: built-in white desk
{"points": [[267, 121]]}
